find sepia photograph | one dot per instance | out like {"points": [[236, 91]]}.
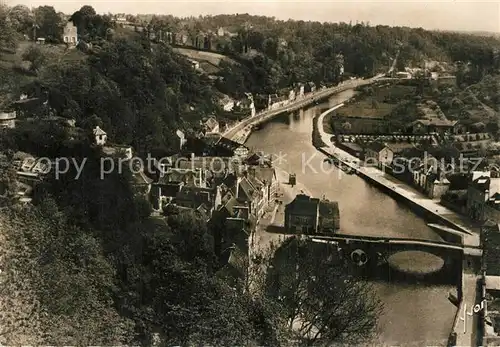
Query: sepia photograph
{"points": [[269, 173]]}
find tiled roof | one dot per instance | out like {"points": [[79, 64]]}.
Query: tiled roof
{"points": [[246, 191], [482, 183], [196, 196], [265, 174], [304, 205], [176, 175], [98, 131]]}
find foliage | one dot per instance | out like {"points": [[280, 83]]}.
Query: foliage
{"points": [[323, 304], [59, 283], [35, 56], [7, 31], [91, 26], [49, 24]]}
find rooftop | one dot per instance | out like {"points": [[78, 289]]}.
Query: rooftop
{"points": [[304, 205]]}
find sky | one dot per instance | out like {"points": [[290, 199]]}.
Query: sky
{"points": [[442, 15]]}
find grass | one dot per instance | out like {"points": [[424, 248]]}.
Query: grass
{"points": [[13, 71], [386, 98], [365, 109], [210, 57]]}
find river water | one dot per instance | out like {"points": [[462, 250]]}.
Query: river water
{"points": [[415, 314]]}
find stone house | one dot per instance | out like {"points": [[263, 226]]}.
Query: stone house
{"points": [[275, 101], [205, 200], [70, 34], [427, 126], [211, 126], [311, 215], [227, 103], [482, 189], [378, 154]]}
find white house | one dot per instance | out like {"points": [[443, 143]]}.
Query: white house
{"points": [[70, 33], [100, 136]]}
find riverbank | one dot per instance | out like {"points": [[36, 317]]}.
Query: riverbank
{"points": [[398, 188], [243, 129]]}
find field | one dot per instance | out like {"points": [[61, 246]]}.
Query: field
{"points": [[377, 102], [13, 71], [201, 56], [369, 111]]}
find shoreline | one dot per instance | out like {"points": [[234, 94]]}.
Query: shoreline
{"points": [[397, 188], [243, 129]]}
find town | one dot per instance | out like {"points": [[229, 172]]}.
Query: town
{"points": [[243, 180]]}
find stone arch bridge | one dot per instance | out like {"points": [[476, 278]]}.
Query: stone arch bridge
{"points": [[370, 252]]}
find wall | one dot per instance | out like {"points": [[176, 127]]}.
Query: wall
{"points": [[438, 190], [491, 213]]}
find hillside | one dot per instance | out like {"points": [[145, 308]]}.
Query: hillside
{"points": [[203, 56]]}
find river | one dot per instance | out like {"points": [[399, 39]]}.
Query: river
{"points": [[415, 314]]}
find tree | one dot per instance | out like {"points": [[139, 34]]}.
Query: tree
{"points": [[7, 32], [36, 57], [324, 305], [49, 23], [47, 251], [21, 18]]}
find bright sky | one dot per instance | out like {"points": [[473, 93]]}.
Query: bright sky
{"points": [[445, 15]]}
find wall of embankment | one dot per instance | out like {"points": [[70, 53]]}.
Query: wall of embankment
{"points": [[298, 104]]}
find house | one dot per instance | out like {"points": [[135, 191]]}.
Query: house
{"points": [[329, 216], [299, 90], [180, 38], [140, 183], [221, 32], [378, 154], [267, 179], [426, 126], [26, 107], [309, 87], [275, 101], [205, 200], [436, 184], [218, 145], [118, 151], [70, 34], [210, 126], [213, 168], [251, 193], [100, 136], [191, 177], [481, 189], [8, 119], [259, 159], [226, 103], [311, 215], [247, 105]]}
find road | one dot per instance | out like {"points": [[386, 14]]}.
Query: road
{"points": [[244, 126]]}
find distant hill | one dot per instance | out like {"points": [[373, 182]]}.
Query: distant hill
{"points": [[475, 33]]}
